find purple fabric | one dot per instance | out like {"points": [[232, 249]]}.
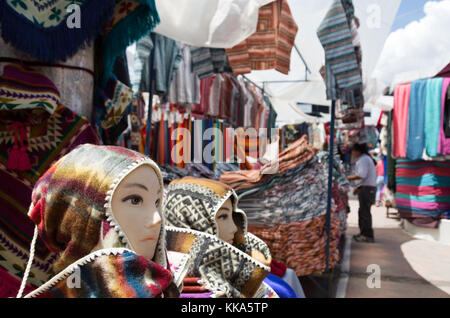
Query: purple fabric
{"points": [[422, 205], [444, 143], [445, 72]]}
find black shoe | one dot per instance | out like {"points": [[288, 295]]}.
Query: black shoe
{"points": [[363, 239]]}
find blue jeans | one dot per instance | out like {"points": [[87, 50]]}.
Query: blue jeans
{"points": [[380, 184]]}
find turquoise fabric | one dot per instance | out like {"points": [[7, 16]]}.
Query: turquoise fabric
{"points": [[416, 121], [433, 115]]}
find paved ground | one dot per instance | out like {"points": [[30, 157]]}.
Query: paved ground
{"points": [[408, 267]]}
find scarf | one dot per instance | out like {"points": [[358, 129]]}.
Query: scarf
{"points": [[229, 270], [71, 206], [48, 29]]}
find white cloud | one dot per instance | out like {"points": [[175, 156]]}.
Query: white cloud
{"points": [[421, 49]]}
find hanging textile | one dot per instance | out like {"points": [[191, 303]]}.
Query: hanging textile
{"points": [[444, 141], [131, 20], [390, 160], [46, 130], [111, 109], [270, 46], [423, 191], [400, 119], [166, 60], [342, 70], [185, 85], [136, 122], [209, 61], [433, 116], [419, 120], [416, 121], [43, 28]]}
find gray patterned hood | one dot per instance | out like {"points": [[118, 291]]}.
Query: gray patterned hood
{"points": [[231, 270]]}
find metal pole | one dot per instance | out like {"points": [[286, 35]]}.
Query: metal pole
{"points": [[303, 60], [150, 102], [330, 182]]}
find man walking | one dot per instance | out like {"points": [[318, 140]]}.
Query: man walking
{"points": [[366, 177]]}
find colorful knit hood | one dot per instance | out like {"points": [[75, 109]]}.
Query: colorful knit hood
{"points": [[71, 206], [233, 271]]}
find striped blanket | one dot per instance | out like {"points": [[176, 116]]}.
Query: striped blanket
{"points": [[270, 46], [342, 68], [423, 191]]}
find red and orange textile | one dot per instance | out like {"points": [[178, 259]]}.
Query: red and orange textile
{"points": [[270, 47]]}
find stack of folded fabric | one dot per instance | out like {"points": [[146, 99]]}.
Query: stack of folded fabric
{"points": [[287, 209], [341, 188], [301, 245], [171, 173], [199, 170], [296, 154], [224, 166], [423, 191], [296, 195]]}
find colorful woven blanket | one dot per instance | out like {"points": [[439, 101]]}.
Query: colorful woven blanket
{"points": [[111, 106], [423, 191], [48, 29], [23, 88], [48, 140], [342, 69], [50, 131]]}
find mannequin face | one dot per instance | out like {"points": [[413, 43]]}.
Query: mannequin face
{"points": [[135, 206], [225, 223]]}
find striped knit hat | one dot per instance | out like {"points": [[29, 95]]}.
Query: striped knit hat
{"points": [[71, 202], [23, 88]]}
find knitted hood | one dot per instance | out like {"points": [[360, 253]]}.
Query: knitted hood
{"points": [[192, 203], [71, 206], [190, 208]]}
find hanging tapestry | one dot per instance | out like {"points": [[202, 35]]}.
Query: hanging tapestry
{"points": [[53, 30], [46, 130]]}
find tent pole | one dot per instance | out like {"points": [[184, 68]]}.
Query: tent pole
{"points": [[330, 182], [150, 101]]}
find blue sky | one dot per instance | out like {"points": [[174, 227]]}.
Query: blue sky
{"points": [[410, 10]]}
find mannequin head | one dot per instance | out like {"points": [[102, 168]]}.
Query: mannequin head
{"points": [[135, 205], [225, 223], [207, 206], [106, 197]]}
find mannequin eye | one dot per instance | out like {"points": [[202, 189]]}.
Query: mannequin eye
{"points": [[223, 217], [158, 203], [133, 199]]}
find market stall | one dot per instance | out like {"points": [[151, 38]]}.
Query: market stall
{"points": [[182, 91]]}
